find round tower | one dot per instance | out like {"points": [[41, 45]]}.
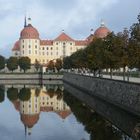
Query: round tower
{"points": [[29, 41]]}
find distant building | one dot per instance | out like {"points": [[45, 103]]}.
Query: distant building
{"points": [[30, 44]]}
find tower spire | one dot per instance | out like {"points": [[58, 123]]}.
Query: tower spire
{"points": [[25, 22]]}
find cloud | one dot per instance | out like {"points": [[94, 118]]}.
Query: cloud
{"points": [[76, 17]]}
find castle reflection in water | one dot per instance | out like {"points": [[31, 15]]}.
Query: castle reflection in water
{"points": [[30, 102]]}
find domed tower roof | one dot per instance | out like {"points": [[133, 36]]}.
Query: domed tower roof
{"points": [[16, 46], [29, 120], [102, 31], [29, 32]]}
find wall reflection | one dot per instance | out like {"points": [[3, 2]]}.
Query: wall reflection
{"points": [[30, 102]]}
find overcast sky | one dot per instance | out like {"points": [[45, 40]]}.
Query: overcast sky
{"points": [[76, 17]]}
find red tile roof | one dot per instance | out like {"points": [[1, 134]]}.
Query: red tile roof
{"points": [[46, 42], [81, 42], [64, 114], [63, 37], [16, 46]]}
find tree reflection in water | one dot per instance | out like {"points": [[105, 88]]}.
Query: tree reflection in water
{"points": [[2, 94], [95, 125], [12, 94]]}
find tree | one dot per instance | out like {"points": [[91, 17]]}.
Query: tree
{"points": [[58, 64], [122, 42], [2, 94], [51, 65], [37, 65], [2, 62], [67, 63], [24, 94], [24, 63], [134, 45], [12, 94], [12, 63]]}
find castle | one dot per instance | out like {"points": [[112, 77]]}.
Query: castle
{"points": [[30, 44]]}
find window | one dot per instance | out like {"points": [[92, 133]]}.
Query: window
{"points": [[36, 46], [64, 43], [23, 41], [29, 46], [51, 48], [70, 43], [56, 43], [47, 48], [23, 46], [43, 48]]}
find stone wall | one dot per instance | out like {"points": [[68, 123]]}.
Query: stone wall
{"points": [[122, 94], [118, 117], [28, 78]]}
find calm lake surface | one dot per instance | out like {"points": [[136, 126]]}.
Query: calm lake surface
{"points": [[48, 112]]}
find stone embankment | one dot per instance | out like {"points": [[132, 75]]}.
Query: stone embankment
{"points": [[125, 95], [28, 78]]}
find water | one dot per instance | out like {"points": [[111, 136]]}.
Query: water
{"points": [[31, 112]]}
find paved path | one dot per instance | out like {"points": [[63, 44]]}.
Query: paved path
{"points": [[131, 79]]}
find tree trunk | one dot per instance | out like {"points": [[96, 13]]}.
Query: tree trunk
{"points": [[124, 73], [128, 74], [111, 73], [94, 73]]}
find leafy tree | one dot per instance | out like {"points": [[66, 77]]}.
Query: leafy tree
{"points": [[67, 63], [12, 63], [24, 63], [2, 94], [37, 65], [134, 44], [24, 94], [122, 41], [2, 62], [51, 65], [12, 94], [58, 64]]}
